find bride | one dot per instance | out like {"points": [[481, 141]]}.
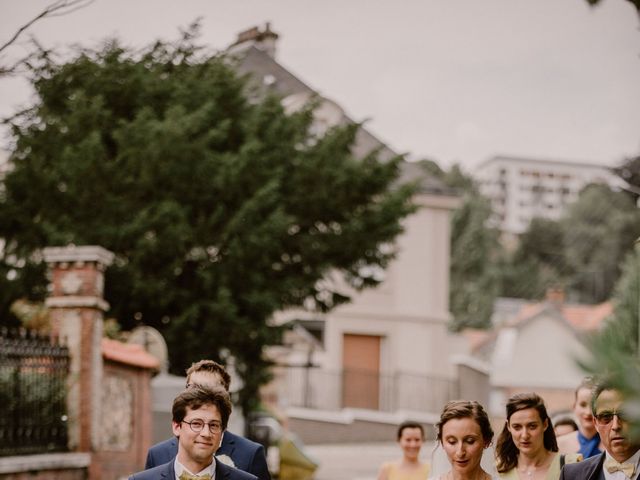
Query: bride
{"points": [[464, 433]]}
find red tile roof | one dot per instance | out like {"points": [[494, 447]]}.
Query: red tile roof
{"points": [[581, 317], [587, 317], [128, 353]]}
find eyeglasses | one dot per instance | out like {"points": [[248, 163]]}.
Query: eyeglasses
{"points": [[197, 425], [605, 418]]}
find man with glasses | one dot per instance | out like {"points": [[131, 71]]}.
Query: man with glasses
{"points": [[199, 419], [243, 453], [621, 457]]}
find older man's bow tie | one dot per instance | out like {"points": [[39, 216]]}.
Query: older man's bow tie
{"points": [[612, 466], [188, 476]]}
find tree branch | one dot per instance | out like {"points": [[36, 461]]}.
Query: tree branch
{"points": [[55, 9]]}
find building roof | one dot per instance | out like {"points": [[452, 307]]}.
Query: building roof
{"points": [[579, 317], [128, 353], [542, 161], [257, 60]]}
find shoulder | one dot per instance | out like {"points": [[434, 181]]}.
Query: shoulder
{"points": [[509, 474], [168, 443], [568, 443], [240, 442], [154, 473], [387, 466], [579, 469], [572, 458], [231, 473]]}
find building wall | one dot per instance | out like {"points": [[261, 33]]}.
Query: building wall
{"points": [[125, 429], [409, 311], [537, 357], [521, 189]]}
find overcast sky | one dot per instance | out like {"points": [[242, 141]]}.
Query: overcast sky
{"points": [[450, 80]]}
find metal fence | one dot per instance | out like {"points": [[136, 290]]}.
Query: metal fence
{"points": [[33, 375], [317, 388]]}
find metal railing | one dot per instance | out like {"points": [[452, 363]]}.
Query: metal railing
{"points": [[313, 387], [33, 375]]}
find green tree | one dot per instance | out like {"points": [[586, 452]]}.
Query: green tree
{"points": [[600, 229], [475, 251], [609, 357], [629, 172], [635, 3], [220, 210], [537, 263], [614, 350]]}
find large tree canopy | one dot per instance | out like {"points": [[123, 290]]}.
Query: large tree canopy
{"points": [[220, 210], [600, 230]]}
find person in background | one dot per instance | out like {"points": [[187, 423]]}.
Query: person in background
{"points": [[563, 426], [236, 450], [621, 458], [585, 440], [527, 447], [199, 419], [410, 438], [464, 432]]}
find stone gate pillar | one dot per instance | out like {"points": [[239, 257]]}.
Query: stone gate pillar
{"points": [[76, 303]]}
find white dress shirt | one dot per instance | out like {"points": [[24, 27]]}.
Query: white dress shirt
{"points": [[635, 460], [179, 468]]}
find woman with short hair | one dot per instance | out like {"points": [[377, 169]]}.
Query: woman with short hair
{"points": [[410, 437]]}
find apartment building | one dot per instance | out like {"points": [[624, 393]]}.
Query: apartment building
{"points": [[523, 188]]}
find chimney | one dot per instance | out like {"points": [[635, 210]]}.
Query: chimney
{"points": [[555, 295], [264, 39]]}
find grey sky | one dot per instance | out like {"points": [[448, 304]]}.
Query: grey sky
{"points": [[451, 80]]}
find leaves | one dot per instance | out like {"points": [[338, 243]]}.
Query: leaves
{"points": [[220, 211]]}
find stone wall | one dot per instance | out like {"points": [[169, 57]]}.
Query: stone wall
{"points": [[109, 384]]}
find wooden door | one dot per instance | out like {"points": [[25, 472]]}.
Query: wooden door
{"points": [[361, 371]]}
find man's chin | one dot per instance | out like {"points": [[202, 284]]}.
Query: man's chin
{"points": [[203, 453]]}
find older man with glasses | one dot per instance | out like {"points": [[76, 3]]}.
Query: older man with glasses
{"points": [[621, 458]]}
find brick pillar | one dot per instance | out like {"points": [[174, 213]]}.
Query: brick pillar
{"points": [[77, 306]]}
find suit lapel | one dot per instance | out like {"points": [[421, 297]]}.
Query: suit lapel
{"points": [[221, 471], [169, 472], [597, 472]]}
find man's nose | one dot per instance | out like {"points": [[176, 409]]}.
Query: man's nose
{"points": [[616, 423]]}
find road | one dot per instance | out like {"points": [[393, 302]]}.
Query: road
{"points": [[358, 461]]}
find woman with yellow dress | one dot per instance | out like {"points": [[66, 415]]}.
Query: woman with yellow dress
{"points": [[410, 438], [527, 448]]}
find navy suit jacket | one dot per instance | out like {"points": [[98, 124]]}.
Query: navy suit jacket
{"points": [[246, 455], [167, 472], [589, 469]]}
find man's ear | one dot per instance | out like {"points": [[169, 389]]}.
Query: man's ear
{"points": [[175, 426]]}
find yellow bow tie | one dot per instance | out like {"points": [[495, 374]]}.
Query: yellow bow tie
{"points": [[188, 476], [612, 466]]}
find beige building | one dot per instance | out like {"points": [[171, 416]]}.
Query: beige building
{"points": [[534, 347], [388, 351]]}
